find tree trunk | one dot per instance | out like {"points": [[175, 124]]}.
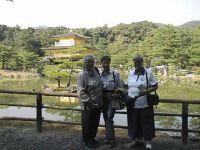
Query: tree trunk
{"points": [[58, 82], [70, 77], [3, 63]]}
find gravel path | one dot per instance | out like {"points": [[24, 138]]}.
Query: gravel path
{"points": [[66, 137]]}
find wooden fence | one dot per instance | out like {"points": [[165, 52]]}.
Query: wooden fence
{"points": [[39, 106]]}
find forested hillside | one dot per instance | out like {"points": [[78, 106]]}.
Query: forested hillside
{"points": [[159, 44], [190, 25]]}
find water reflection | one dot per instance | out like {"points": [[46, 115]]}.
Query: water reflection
{"points": [[194, 123], [68, 115], [68, 99], [26, 112], [166, 90], [75, 116], [168, 122], [119, 119]]}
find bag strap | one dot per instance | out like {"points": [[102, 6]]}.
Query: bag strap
{"points": [[114, 78], [147, 80], [97, 70]]}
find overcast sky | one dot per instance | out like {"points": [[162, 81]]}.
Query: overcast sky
{"points": [[94, 13]]}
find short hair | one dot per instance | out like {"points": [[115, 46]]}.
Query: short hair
{"points": [[88, 57], [105, 58], [138, 57]]}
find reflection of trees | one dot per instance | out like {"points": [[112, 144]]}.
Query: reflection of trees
{"points": [[169, 108], [70, 115], [195, 124], [172, 89], [18, 99], [168, 122], [3, 107], [56, 101]]}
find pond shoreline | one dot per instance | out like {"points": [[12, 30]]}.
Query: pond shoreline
{"points": [[8, 74]]}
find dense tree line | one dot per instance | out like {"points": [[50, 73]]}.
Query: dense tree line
{"points": [[159, 44]]}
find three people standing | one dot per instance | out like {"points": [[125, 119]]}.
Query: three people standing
{"points": [[96, 91]]}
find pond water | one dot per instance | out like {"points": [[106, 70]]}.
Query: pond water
{"points": [[28, 113], [167, 89]]}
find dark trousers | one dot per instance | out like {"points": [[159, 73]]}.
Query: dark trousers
{"points": [[141, 123], [90, 122], [108, 115]]}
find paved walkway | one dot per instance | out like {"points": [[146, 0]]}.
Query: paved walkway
{"points": [[62, 137]]}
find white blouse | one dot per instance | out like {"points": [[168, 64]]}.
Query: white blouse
{"points": [[137, 81]]}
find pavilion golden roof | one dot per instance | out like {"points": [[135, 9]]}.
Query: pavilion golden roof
{"points": [[70, 34]]}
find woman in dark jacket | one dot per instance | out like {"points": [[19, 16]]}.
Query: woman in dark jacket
{"points": [[91, 99]]}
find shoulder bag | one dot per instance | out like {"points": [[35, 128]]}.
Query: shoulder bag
{"points": [[152, 99]]}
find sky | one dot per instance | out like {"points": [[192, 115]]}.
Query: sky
{"points": [[96, 13]]}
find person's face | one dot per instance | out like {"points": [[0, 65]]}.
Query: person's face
{"points": [[106, 65], [138, 64], [89, 65]]}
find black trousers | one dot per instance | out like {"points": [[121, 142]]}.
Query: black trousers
{"points": [[90, 122], [108, 115], [141, 123]]}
